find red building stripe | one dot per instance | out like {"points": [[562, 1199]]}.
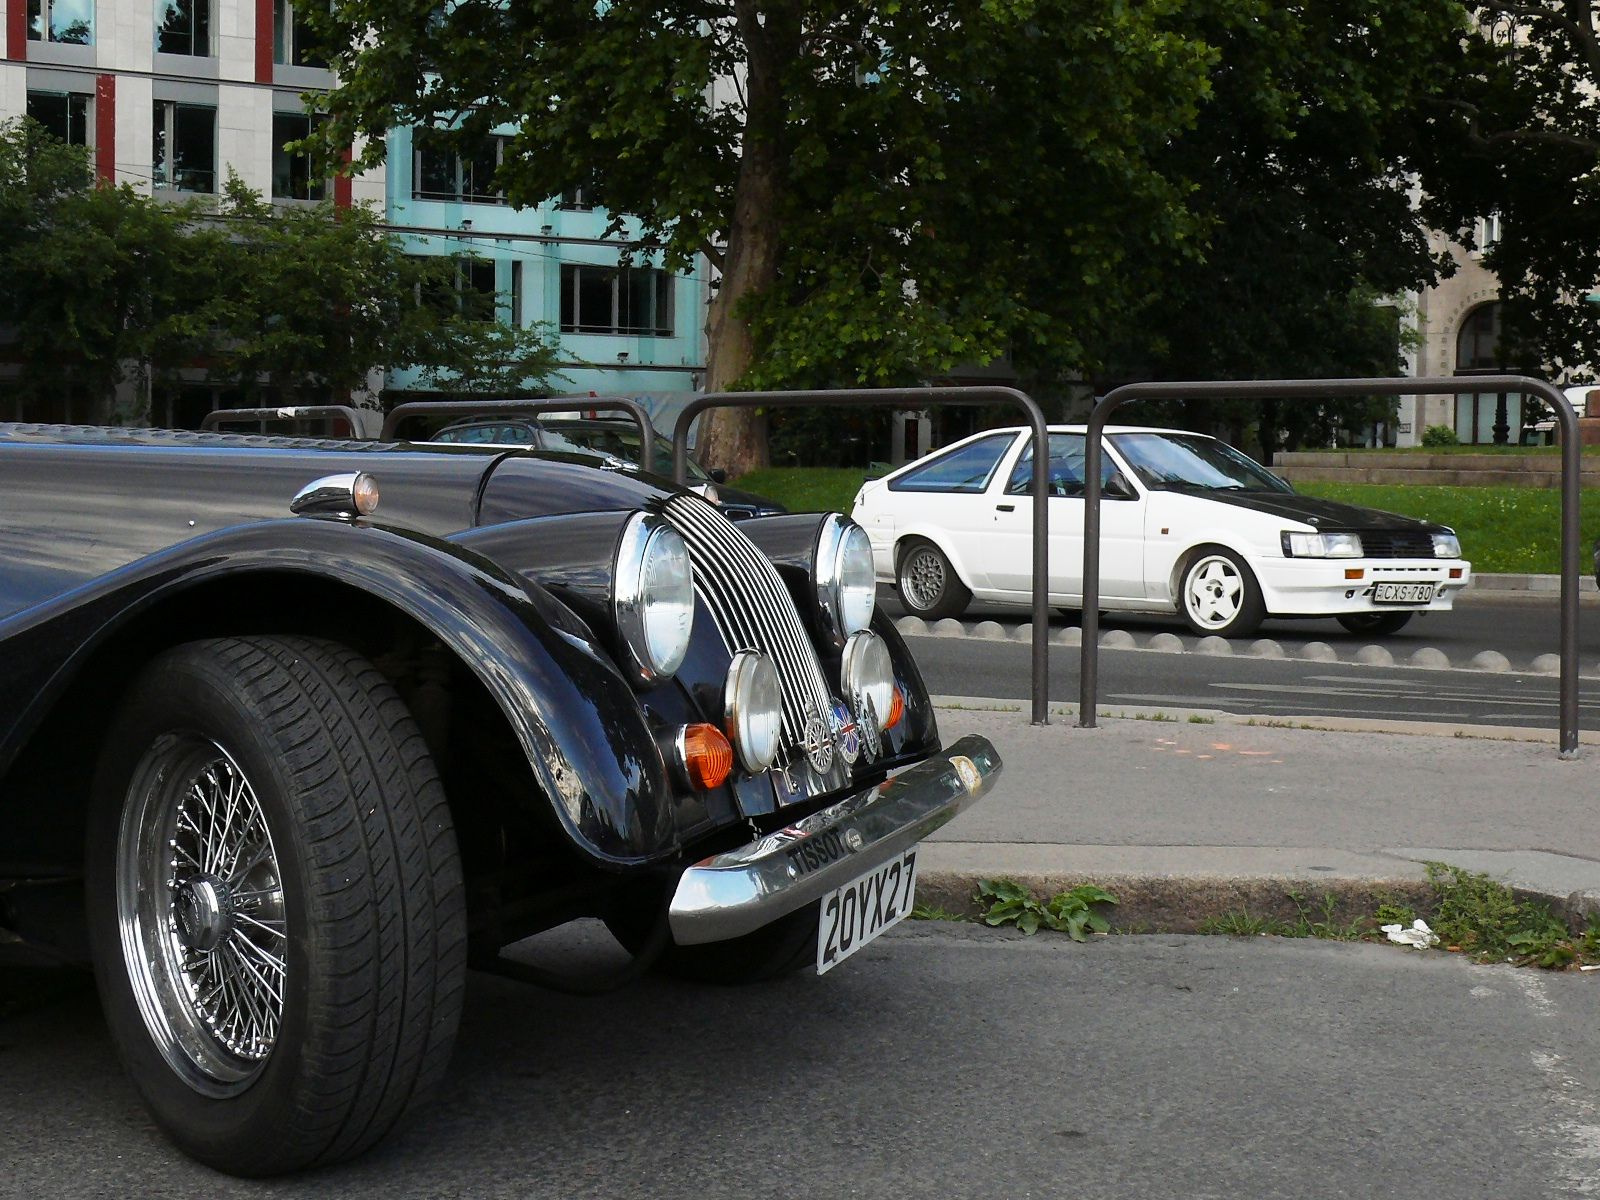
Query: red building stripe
{"points": [[341, 183], [105, 127], [264, 41], [17, 30]]}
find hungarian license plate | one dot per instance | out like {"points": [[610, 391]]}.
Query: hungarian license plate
{"points": [[1403, 593], [858, 912]]}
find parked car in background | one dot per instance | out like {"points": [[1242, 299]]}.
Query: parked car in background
{"points": [[1189, 525], [615, 439], [292, 731]]}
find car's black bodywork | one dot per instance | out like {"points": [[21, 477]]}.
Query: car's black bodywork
{"points": [[480, 589]]}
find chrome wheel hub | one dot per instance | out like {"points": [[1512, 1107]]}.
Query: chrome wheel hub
{"points": [[201, 912]]}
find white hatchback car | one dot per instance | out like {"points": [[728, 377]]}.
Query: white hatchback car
{"points": [[1188, 525]]}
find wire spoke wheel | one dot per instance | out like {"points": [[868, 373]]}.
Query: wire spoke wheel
{"points": [[201, 914]]}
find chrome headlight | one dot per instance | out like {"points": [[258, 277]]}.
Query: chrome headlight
{"points": [[1321, 545], [1446, 545], [866, 673], [847, 580], [653, 596], [753, 709]]}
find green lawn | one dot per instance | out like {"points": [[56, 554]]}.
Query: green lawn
{"points": [[1501, 528]]}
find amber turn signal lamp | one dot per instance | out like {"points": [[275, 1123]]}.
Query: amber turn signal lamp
{"points": [[1455, 572], [1354, 572], [706, 755], [897, 708]]}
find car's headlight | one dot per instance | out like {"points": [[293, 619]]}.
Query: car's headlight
{"points": [[653, 596], [1446, 545], [752, 705], [866, 673], [847, 581], [1321, 545]]}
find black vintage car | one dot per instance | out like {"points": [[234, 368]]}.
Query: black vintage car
{"points": [[294, 732]]}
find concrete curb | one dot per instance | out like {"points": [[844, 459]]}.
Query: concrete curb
{"points": [[1178, 888], [1429, 658]]}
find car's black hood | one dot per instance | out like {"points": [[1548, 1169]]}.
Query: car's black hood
{"points": [[737, 496], [1312, 510]]}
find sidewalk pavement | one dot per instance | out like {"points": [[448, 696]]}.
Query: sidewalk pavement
{"points": [[1201, 814]]}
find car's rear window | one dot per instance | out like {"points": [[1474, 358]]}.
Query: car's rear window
{"points": [[967, 468]]}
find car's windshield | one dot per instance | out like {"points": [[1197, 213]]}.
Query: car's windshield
{"points": [[620, 442], [1187, 460]]}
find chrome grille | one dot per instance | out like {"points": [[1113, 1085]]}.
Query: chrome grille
{"points": [[752, 608]]}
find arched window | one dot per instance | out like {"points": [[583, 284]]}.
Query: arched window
{"points": [[1485, 418]]}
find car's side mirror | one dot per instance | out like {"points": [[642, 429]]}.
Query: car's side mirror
{"points": [[1118, 488], [718, 475]]}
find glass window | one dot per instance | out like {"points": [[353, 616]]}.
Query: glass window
{"points": [[185, 147], [477, 287], [69, 21], [1478, 344], [291, 169], [616, 300], [965, 469], [293, 43], [442, 174], [1069, 453], [64, 114], [184, 27], [1175, 461], [573, 198]]}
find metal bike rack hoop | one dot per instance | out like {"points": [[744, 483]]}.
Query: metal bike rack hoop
{"points": [[1322, 389], [921, 398]]}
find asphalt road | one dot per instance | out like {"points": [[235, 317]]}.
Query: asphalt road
{"points": [[1254, 686], [947, 1061], [1521, 629]]}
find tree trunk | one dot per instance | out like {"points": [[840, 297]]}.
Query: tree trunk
{"points": [[735, 439]]}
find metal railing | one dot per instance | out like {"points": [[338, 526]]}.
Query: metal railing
{"points": [[528, 406], [291, 412], [1319, 389], [921, 398]]}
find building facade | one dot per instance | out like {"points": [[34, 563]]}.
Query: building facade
{"points": [[170, 95]]}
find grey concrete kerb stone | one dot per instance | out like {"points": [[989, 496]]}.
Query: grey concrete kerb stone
{"points": [[1425, 657]]}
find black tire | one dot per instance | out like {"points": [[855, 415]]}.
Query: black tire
{"points": [[337, 848], [1375, 624], [1218, 595], [928, 585], [771, 952]]}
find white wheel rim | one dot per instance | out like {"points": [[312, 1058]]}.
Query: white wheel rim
{"points": [[1214, 592]]}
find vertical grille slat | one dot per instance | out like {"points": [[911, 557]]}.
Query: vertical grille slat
{"points": [[751, 607]]}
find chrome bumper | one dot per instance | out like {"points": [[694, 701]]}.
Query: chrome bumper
{"points": [[731, 894]]}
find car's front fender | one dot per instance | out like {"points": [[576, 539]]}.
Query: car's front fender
{"points": [[575, 717]]}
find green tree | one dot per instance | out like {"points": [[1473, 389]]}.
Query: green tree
{"points": [[1519, 136], [885, 188], [324, 296], [1301, 163], [101, 282]]}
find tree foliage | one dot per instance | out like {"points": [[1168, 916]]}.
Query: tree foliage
{"points": [[1519, 136], [1302, 165], [886, 188], [106, 284]]}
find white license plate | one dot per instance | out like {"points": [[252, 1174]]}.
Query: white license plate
{"points": [[1403, 593], [858, 912]]}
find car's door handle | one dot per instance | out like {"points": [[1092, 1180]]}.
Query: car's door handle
{"points": [[1006, 507]]}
